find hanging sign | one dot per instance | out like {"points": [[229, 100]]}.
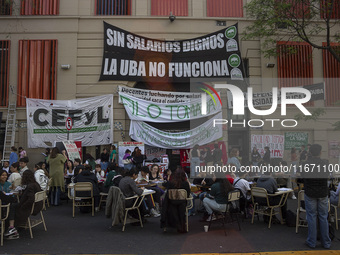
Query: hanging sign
{"points": [[295, 140], [92, 121], [142, 110], [203, 134], [130, 57]]}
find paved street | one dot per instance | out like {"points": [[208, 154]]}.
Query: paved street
{"points": [[86, 234]]}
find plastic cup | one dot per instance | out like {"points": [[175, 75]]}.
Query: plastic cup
{"points": [[206, 227]]}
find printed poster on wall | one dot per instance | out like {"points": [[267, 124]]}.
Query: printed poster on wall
{"points": [[72, 150], [274, 142], [131, 57], [92, 121], [295, 140], [203, 134], [123, 146]]}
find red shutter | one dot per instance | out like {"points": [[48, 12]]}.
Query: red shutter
{"points": [[4, 71], [6, 7], [225, 8], [325, 6], [39, 7], [37, 70], [295, 64], [164, 7], [331, 74]]}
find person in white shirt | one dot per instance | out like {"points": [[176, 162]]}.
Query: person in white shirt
{"points": [[6, 167], [23, 165], [15, 177], [243, 185], [40, 177]]}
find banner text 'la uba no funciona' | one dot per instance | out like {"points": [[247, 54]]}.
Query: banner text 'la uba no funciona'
{"points": [[130, 57]]}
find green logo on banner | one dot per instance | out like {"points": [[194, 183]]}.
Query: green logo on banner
{"points": [[230, 32], [234, 60]]}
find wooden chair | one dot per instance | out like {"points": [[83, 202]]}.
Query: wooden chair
{"points": [[269, 209], [233, 197], [4, 211], [78, 198], [32, 221], [299, 210], [137, 201], [181, 194], [103, 197]]}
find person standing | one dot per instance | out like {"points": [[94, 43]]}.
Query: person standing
{"points": [[303, 154], [266, 156], [13, 157], [217, 155], [255, 157], [104, 159], [113, 154], [233, 159], [56, 162], [316, 198], [22, 152], [194, 160]]}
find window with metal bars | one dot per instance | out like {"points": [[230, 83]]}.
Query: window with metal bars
{"points": [[331, 74], [39, 7], [6, 7], [164, 7], [4, 71], [113, 7], [295, 64], [37, 70], [225, 8]]}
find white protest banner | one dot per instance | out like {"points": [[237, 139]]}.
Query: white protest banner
{"points": [[274, 142], [123, 146], [142, 110], [203, 134], [92, 121], [157, 96], [72, 150]]}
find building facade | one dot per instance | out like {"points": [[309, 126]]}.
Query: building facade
{"points": [[53, 49]]}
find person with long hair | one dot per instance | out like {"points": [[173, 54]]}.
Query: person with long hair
{"points": [[138, 158], [15, 177], [40, 176], [19, 212], [56, 162], [233, 159], [217, 199], [173, 211], [4, 184], [195, 155]]}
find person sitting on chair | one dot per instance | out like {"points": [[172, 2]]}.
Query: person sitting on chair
{"points": [[19, 212], [217, 199], [173, 211]]}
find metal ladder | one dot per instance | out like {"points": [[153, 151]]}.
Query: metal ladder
{"points": [[10, 131]]}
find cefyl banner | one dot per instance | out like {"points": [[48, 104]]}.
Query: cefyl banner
{"points": [[203, 134], [92, 121], [131, 57], [142, 110]]}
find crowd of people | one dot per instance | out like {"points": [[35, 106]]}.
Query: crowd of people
{"points": [[59, 171]]}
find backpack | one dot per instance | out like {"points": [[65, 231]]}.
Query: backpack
{"points": [[291, 219]]}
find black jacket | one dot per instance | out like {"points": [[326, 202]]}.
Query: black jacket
{"points": [[315, 182]]}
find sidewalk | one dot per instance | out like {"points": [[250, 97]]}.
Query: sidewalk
{"points": [[85, 234]]}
